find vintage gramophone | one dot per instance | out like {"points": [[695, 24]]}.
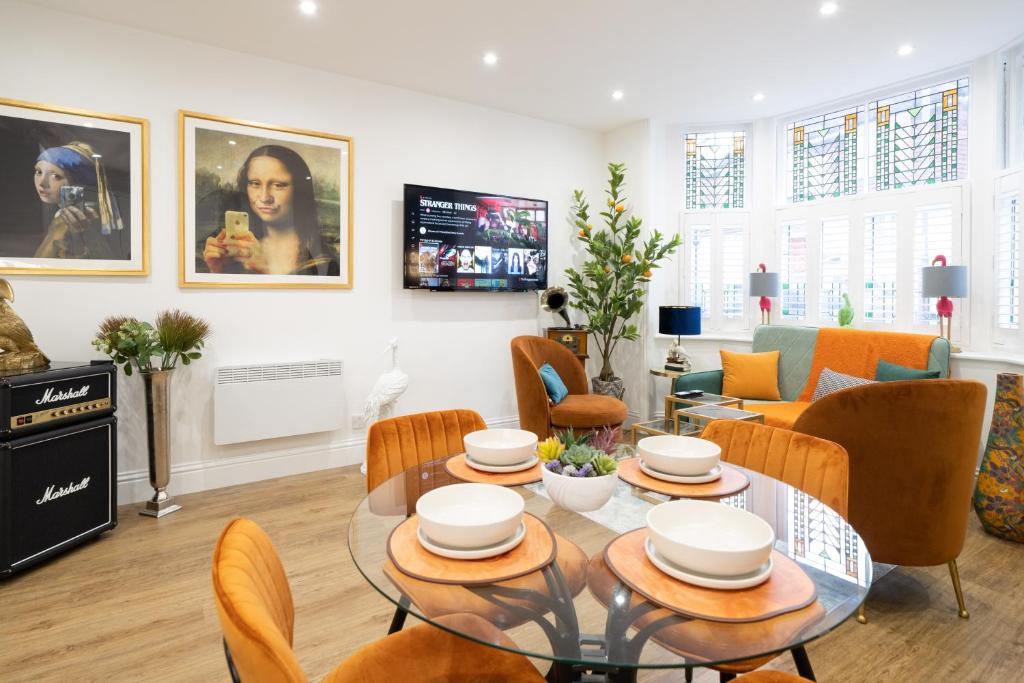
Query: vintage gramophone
{"points": [[556, 300]]}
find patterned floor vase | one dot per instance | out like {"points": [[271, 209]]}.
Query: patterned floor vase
{"points": [[999, 493]]}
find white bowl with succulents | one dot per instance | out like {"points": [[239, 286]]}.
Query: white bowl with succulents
{"points": [[579, 473]]}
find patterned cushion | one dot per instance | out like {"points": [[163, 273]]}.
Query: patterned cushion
{"points": [[830, 381]]}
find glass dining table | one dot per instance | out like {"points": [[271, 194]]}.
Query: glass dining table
{"points": [[579, 616]]}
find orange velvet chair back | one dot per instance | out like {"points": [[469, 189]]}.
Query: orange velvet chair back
{"points": [[815, 466], [398, 443], [255, 605], [528, 354], [913, 447]]}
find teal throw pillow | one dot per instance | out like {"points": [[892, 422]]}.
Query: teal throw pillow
{"points": [[890, 372], [553, 383]]}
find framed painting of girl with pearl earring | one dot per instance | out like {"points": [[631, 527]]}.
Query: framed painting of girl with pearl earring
{"points": [[263, 205], [73, 187]]}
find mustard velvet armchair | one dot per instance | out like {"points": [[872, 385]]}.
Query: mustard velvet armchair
{"points": [[913, 449], [580, 410], [257, 616]]}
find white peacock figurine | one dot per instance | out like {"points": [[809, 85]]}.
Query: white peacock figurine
{"points": [[380, 403]]}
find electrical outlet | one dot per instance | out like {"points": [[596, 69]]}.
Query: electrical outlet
{"points": [[357, 422]]}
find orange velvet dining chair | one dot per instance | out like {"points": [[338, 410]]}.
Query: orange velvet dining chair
{"points": [[817, 467], [257, 616], [913, 449], [399, 443]]}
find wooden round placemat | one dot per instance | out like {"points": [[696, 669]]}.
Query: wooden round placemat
{"points": [[786, 590], [457, 467], [536, 551], [732, 481]]}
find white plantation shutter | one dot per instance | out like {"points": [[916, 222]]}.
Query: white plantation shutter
{"points": [[933, 235], [699, 268], [793, 270], [835, 266], [1008, 261], [733, 271], [880, 268]]}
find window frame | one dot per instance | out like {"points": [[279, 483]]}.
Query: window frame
{"points": [[1006, 183], [717, 221]]}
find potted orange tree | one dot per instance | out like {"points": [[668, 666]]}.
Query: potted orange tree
{"points": [[610, 286]]}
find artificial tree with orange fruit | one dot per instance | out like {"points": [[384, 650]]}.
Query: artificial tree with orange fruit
{"points": [[609, 288]]}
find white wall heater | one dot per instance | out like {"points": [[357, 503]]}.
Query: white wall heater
{"points": [[252, 402]]}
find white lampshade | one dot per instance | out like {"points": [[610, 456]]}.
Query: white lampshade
{"points": [[765, 284], [948, 281]]}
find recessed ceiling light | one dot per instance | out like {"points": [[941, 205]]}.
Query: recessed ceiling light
{"points": [[307, 7], [490, 59], [828, 9], [758, 97], [618, 94], [905, 50]]}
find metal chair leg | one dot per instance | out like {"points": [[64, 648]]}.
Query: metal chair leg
{"points": [[803, 663], [954, 574], [861, 617], [398, 620]]}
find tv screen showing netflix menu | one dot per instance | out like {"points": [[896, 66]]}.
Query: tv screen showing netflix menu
{"points": [[461, 240]]}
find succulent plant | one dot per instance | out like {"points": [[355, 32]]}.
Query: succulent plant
{"points": [[606, 440], [550, 449], [605, 464]]}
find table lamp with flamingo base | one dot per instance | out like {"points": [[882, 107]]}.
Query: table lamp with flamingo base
{"points": [[944, 281]]}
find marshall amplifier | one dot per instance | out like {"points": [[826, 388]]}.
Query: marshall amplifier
{"points": [[58, 470], [36, 400]]}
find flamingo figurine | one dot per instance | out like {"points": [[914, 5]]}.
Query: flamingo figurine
{"points": [[944, 306], [765, 303]]}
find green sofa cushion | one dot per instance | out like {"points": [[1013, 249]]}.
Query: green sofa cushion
{"points": [[891, 372], [796, 350]]}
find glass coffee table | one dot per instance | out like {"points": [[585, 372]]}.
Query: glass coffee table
{"points": [[699, 416], [663, 426], [674, 403]]}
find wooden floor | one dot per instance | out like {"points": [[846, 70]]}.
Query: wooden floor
{"points": [[136, 604]]}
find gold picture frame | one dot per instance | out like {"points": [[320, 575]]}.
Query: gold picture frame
{"points": [[110, 236], [200, 138]]}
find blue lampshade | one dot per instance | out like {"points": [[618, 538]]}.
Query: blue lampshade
{"points": [[678, 320]]}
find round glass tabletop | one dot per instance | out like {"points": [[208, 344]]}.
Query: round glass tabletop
{"points": [[577, 612]]}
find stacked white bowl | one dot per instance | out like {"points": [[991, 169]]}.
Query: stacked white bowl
{"points": [[709, 537], [500, 447], [470, 516], [679, 455]]}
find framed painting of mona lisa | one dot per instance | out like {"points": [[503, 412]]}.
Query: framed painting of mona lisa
{"points": [[263, 205], [73, 187]]}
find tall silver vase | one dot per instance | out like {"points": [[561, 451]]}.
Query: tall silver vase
{"points": [[158, 437]]}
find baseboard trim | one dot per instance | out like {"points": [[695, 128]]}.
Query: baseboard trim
{"points": [[204, 475]]}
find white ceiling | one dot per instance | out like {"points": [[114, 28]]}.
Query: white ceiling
{"points": [[676, 60]]}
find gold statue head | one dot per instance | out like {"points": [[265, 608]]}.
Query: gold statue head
{"points": [[6, 291]]}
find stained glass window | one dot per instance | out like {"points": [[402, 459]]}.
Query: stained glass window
{"points": [[920, 136], [823, 155], [715, 170], [821, 538]]}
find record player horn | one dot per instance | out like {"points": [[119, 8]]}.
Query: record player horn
{"points": [[554, 300]]}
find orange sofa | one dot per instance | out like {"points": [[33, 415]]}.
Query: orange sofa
{"points": [[805, 351]]}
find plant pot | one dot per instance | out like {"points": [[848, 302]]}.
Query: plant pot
{"points": [[158, 441], [579, 494], [612, 387], [999, 492]]}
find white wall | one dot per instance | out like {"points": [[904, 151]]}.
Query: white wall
{"points": [[453, 345]]}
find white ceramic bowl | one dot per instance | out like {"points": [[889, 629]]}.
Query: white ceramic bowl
{"points": [[500, 446], [470, 515], [710, 537], [581, 494], [679, 455]]}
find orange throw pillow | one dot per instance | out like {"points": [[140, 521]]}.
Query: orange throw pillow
{"points": [[751, 375]]}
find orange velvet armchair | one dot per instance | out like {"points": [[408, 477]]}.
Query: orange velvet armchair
{"points": [[580, 410], [257, 616], [913, 448]]}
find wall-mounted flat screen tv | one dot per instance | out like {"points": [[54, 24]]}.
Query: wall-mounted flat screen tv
{"points": [[461, 240]]}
